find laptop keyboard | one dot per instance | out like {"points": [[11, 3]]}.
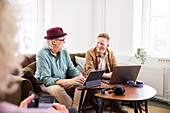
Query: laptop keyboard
{"points": [[79, 85], [106, 81]]}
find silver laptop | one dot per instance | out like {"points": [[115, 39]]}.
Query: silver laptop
{"points": [[93, 79], [121, 74]]}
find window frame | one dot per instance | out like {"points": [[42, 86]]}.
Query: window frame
{"points": [[142, 27], [39, 42]]}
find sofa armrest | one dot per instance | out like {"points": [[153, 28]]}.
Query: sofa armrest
{"points": [[24, 86]]}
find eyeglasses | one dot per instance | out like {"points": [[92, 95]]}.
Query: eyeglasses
{"points": [[61, 39]]}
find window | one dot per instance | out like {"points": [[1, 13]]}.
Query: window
{"points": [[156, 27], [30, 28]]}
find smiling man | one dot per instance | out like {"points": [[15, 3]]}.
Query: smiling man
{"points": [[53, 63], [102, 58]]}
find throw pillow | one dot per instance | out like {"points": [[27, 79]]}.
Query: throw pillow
{"points": [[31, 67], [80, 61]]}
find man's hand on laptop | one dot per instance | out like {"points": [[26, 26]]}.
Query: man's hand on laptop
{"points": [[73, 81], [107, 75], [78, 80]]}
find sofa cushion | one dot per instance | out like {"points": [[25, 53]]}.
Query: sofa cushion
{"points": [[31, 67], [30, 76], [28, 59], [80, 61]]}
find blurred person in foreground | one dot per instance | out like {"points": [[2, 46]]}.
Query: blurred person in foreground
{"points": [[7, 50], [102, 58]]}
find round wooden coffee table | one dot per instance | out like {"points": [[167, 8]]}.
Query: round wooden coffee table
{"points": [[132, 94]]}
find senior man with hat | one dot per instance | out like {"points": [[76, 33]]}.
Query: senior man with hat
{"points": [[53, 63]]}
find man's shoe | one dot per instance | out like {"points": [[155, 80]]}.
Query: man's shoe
{"points": [[117, 107]]}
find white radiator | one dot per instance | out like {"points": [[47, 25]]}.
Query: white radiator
{"points": [[159, 79], [167, 85]]}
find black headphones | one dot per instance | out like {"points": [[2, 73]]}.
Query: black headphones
{"points": [[117, 90], [135, 84]]}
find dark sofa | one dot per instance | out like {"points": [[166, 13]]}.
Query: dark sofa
{"points": [[27, 82]]}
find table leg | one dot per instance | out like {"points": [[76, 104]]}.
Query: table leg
{"points": [[111, 106], [139, 106], [81, 100], [135, 107], [146, 107], [101, 109]]}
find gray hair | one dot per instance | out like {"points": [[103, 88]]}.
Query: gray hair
{"points": [[8, 47], [50, 45]]}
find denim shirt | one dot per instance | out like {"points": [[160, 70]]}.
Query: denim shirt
{"points": [[51, 68]]}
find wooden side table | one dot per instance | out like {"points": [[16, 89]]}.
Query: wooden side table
{"points": [[132, 94]]}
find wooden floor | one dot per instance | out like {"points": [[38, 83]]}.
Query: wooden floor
{"points": [[151, 109]]}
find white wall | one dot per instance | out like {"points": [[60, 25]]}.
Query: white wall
{"points": [[83, 20], [119, 24], [76, 19]]}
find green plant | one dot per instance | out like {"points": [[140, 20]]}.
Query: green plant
{"points": [[141, 55]]}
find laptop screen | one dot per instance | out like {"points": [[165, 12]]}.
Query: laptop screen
{"points": [[94, 75], [121, 74]]}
